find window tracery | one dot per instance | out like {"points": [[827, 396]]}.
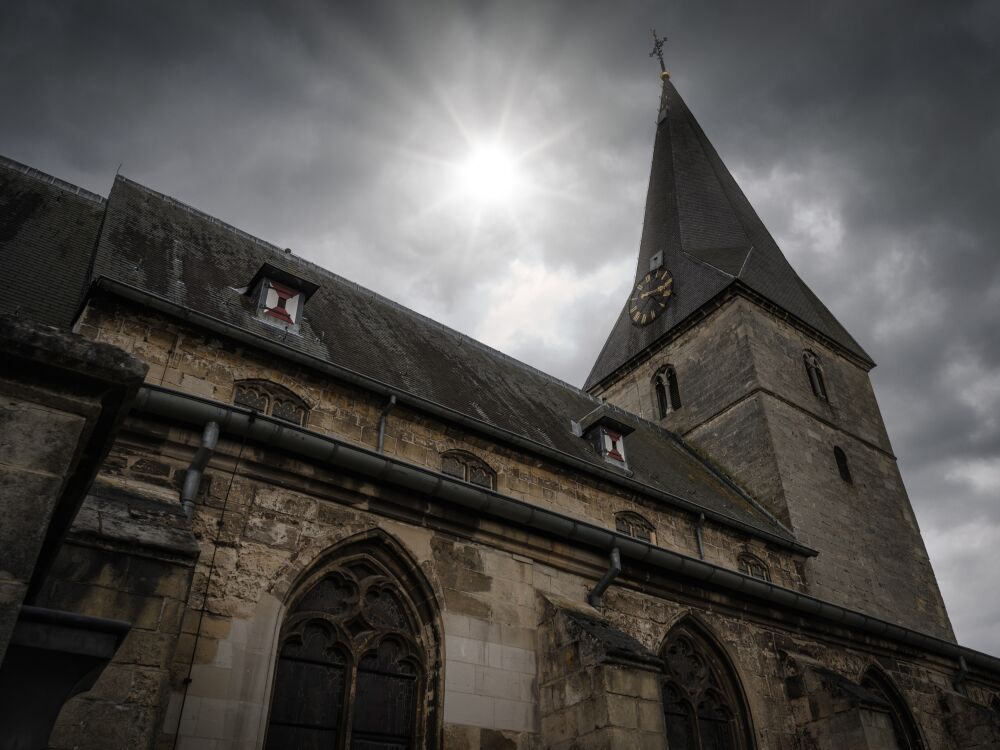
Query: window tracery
{"points": [[703, 705], [635, 526], [668, 395], [754, 567], [815, 372], [468, 468], [269, 398], [903, 725], [353, 667]]}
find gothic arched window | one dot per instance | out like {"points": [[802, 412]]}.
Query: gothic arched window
{"points": [[668, 395], [754, 567], [842, 466], [903, 726], [815, 373], [703, 704], [357, 659], [271, 399], [635, 526], [469, 468]]}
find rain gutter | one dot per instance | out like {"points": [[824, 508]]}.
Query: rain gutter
{"points": [[235, 420], [436, 409]]}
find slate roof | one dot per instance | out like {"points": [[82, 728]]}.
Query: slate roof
{"points": [[162, 247], [48, 230], [712, 239]]}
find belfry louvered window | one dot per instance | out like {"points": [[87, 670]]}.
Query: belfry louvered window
{"points": [[815, 373], [470, 468], [668, 394], [271, 399]]}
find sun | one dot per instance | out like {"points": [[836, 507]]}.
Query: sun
{"points": [[490, 174]]}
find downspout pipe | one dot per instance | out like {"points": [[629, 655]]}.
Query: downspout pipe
{"points": [[382, 419], [192, 477], [614, 568], [309, 445], [963, 673], [698, 533]]}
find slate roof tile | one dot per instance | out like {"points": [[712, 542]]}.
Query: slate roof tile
{"points": [[48, 230]]}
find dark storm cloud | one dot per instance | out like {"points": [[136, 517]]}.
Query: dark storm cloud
{"points": [[866, 134]]}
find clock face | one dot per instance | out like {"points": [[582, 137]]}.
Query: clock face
{"points": [[650, 296]]}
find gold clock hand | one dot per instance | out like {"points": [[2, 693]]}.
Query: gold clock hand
{"points": [[661, 288]]}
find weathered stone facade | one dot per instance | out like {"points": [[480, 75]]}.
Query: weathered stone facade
{"points": [[748, 406], [264, 518]]}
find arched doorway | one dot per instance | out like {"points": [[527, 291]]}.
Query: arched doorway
{"points": [[358, 654], [703, 703]]}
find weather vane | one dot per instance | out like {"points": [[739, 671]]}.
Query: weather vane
{"points": [[658, 50]]}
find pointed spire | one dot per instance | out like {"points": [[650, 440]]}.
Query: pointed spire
{"points": [[701, 227]]}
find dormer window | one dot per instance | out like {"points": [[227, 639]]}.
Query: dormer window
{"points": [[606, 432], [613, 448], [280, 296], [281, 302]]}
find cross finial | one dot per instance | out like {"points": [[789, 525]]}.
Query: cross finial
{"points": [[658, 50]]}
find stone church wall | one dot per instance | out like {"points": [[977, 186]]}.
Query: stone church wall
{"points": [[748, 405], [276, 516], [262, 518]]}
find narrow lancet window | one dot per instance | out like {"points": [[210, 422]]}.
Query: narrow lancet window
{"points": [[668, 395], [815, 373], [842, 466]]}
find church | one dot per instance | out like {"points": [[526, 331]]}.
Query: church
{"points": [[248, 503]]}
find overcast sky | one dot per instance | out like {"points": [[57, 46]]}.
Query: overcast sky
{"points": [[361, 135]]}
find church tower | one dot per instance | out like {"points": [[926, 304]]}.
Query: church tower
{"points": [[721, 342]]}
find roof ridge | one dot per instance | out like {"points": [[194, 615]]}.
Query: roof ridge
{"points": [[284, 255], [38, 174]]}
